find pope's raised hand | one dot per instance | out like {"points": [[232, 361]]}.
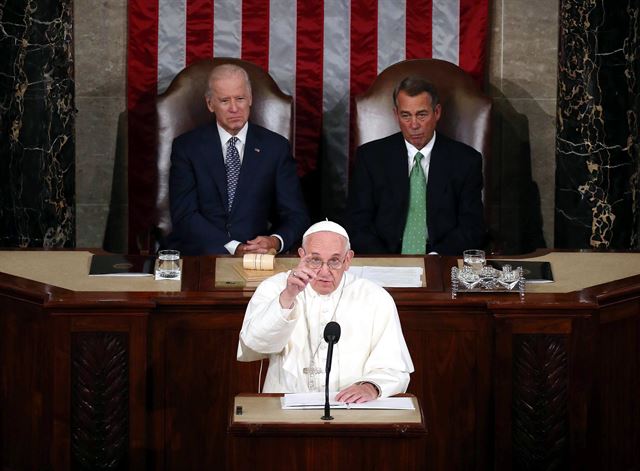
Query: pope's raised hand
{"points": [[297, 281]]}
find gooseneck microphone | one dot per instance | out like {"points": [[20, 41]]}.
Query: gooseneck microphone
{"points": [[331, 336]]}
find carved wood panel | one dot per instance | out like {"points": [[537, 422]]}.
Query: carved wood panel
{"points": [[540, 418], [99, 400]]}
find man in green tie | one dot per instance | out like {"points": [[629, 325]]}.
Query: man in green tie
{"points": [[416, 191]]}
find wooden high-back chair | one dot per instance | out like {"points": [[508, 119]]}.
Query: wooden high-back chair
{"points": [[466, 111], [182, 107]]}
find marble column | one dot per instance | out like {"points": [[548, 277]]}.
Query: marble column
{"points": [[37, 115], [598, 142]]}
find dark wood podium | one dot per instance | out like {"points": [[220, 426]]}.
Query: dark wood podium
{"points": [[136, 374], [265, 437]]}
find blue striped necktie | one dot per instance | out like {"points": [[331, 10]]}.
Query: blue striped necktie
{"points": [[232, 162]]}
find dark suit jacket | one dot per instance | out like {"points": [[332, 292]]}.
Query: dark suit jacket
{"points": [[268, 191], [379, 197]]}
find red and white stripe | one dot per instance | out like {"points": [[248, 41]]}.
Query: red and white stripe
{"points": [[323, 52]]}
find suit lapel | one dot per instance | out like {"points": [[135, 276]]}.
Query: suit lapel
{"points": [[399, 173], [215, 161], [436, 181]]}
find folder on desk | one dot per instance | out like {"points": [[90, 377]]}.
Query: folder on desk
{"points": [[533, 272], [121, 265]]}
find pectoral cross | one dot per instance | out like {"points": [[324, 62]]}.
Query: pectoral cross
{"points": [[314, 378]]}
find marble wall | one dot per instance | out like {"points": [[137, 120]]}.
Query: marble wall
{"points": [[522, 71], [36, 124], [100, 53], [522, 75], [598, 137], [521, 79]]}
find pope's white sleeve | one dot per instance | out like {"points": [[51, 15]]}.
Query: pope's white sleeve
{"points": [[266, 327], [389, 363]]}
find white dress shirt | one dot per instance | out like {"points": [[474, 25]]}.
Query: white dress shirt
{"points": [[426, 154]]}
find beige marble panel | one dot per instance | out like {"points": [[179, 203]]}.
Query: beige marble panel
{"points": [[529, 56], [100, 47], [93, 180], [100, 61], [541, 115], [91, 221], [522, 78], [494, 51], [96, 134], [97, 123]]}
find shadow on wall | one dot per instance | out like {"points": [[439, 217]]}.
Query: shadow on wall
{"points": [[115, 236], [515, 223]]}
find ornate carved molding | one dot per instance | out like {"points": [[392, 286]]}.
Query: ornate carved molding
{"points": [[539, 421], [99, 400]]}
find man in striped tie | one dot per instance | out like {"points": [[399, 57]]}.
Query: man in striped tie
{"points": [[233, 186], [416, 191]]}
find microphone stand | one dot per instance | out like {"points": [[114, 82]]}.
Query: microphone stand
{"points": [[327, 407], [331, 336]]}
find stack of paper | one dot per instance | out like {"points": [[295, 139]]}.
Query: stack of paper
{"points": [[390, 277], [316, 401]]}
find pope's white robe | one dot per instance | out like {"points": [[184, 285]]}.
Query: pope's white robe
{"points": [[371, 346]]}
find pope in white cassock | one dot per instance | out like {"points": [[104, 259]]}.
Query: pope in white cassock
{"points": [[287, 314]]}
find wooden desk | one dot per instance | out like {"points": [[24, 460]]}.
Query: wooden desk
{"points": [[267, 438], [551, 382]]}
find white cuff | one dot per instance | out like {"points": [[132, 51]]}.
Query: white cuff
{"points": [[281, 241], [231, 246]]}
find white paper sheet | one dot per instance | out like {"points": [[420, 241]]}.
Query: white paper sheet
{"points": [[316, 401], [390, 277]]}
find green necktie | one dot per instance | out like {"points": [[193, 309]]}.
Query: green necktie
{"points": [[414, 240]]}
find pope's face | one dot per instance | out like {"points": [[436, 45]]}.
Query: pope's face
{"points": [[417, 117], [230, 100], [328, 248]]}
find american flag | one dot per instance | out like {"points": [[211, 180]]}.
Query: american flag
{"points": [[322, 52]]}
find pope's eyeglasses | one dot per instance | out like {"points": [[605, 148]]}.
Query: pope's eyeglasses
{"points": [[333, 263]]}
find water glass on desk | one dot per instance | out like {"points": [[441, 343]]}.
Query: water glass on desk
{"points": [[474, 259], [168, 264]]}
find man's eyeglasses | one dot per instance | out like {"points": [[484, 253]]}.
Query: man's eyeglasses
{"points": [[333, 263]]}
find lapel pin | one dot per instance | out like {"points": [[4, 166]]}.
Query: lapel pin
{"points": [[256, 149]]}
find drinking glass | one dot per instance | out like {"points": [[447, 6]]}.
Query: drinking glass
{"points": [[168, 264], [474, 259]]}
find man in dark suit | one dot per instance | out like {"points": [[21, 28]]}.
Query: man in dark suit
{"points": [[393, 176], [230, 179]]}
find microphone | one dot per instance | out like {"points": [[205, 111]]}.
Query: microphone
{"points": [[331, 336]]}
